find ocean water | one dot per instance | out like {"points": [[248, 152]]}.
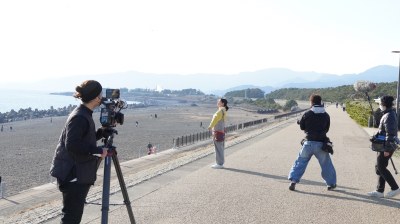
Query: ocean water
{"points": [[17, 99]]}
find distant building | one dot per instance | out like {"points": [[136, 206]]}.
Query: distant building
{"points": [[159, 88]]}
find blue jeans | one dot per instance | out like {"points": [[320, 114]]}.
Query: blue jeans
{"points": [[309, 149]]}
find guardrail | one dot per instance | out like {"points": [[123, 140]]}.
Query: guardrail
{"points": [[1, 189], [287, 115], [202, 136]]}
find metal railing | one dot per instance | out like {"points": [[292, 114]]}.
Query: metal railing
{"points": [[1, 189], [202, 136]]}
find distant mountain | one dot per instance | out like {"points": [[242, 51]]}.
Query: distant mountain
{"points": [[382, 73], [267, 80]]}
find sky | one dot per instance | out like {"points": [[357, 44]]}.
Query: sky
{"points": [[41, 39]]}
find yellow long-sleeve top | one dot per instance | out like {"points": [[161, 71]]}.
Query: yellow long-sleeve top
{"points": [[218, 120]]}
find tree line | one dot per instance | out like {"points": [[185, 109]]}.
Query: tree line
{"points": [[334, 94], [341, 94]]}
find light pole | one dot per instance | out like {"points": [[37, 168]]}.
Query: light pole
{"points": [[398, 92]]}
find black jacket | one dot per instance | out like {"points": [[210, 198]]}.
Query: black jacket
{"points": [[315, 123], [388, 125], [73, 157]]}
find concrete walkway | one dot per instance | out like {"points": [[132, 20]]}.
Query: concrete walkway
{"points": [[253, 186]]}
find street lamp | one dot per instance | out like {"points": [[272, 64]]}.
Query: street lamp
{"points": [[398, 92]]}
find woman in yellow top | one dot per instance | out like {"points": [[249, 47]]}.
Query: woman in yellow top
{"points": [[217, 125]]}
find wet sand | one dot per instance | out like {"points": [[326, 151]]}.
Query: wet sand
{"points": [[28, 149]]}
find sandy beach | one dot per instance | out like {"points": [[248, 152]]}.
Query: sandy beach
{"points": [[28, 149]]}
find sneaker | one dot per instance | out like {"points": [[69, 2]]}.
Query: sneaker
{"points": [[391, 194], [292, 186], [216, 166], [332, 187], [376, 194]]}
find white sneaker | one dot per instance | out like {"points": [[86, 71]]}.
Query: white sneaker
{"points": [[391, 194], [375, 194], [216, 166]]}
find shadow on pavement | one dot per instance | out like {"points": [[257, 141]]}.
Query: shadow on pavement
{"points": [[394, 203], [303, 181], [256, 173]]}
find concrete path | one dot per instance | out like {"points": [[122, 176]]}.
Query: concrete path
{"points": [[253, 186]]}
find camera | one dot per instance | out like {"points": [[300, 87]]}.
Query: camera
{"points": [[110, 114]]}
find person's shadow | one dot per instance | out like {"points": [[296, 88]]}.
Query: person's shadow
{"points": [[283, 178], [350, 196]]}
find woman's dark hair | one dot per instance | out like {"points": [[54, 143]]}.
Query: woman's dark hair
{"points": [[387, 101], [88, 90], [225, 102], [315, 99]]}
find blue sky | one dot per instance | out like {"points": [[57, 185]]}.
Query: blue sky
{"points": [[41, 39]]}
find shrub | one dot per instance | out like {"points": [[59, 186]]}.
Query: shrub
{"points": [[359, 111]]}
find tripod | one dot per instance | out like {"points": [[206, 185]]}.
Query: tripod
{"points": [[112, 153]]}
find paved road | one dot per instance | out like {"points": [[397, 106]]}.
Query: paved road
{"points": [[253, 188]]}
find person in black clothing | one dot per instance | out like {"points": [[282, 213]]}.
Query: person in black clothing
{"points": [[388, 131], [150, 148], [75, 162], [315, 123]]}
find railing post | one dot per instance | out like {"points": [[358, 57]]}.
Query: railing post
{"points": [[1, 188]]}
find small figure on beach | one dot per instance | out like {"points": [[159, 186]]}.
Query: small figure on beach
{"points": [[315, 123], [137, 123], [149, 148], [75, 162], [1, 128], [10, 128], [217, 125], [155, 115], [201, 124]]}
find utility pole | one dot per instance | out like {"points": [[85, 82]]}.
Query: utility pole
{"points": [[398, 93]]}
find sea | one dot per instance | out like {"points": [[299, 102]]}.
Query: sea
{"points": [[41, 100]]}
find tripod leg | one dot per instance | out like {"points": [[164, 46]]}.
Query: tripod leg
{"points": [[395, 170], [106, 190], [123, 188]]}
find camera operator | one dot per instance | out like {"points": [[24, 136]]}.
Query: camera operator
{"points": [[75, 162], [315, 123], [388, 131]]}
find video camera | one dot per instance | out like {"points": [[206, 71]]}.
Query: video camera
{"points": [[110, 114]]}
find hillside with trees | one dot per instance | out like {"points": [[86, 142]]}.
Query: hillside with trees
{"points": [[246, 93], [339, 94]]}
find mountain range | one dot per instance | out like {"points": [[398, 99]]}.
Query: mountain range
{"points": [[218, 84]]}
